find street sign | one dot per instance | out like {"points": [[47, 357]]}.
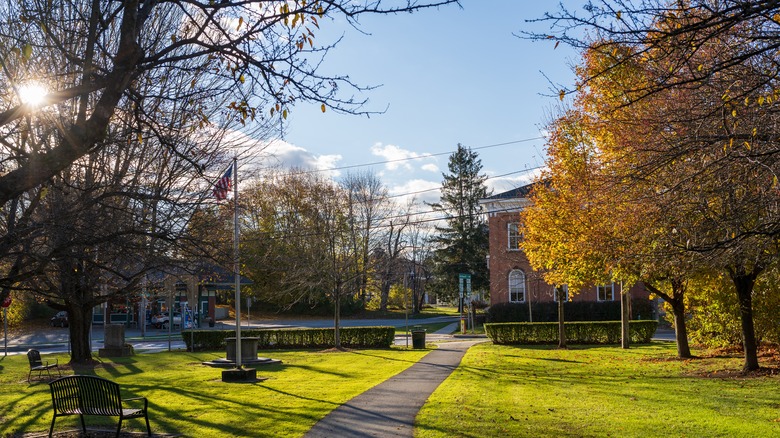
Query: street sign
{"points": [[6, 302], [464, 278]]}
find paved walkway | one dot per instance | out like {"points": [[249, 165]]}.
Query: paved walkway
{"points": [[389, 409]]}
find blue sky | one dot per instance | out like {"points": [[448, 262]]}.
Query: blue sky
{"points": [[445, 76]]}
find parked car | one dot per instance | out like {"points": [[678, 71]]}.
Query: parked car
{"points": [[60, 319], [161, 320]]}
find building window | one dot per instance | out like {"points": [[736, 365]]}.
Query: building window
{"points": [[514, 236], [517, 286], [565, 294], [605, 292]]}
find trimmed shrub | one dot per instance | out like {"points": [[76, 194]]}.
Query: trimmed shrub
{"points": [[602, 332], [641, 308], [351, 337]]}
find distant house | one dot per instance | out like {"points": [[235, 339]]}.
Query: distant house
{"points": [[511, 277], [197, 294]]}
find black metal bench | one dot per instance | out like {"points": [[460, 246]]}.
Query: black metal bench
{"points": [[91, 395], [36, 364]]}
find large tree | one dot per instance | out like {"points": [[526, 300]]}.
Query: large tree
{"points": [[699, 126], [461, 244], [90, 53], [368, 208], [171, 75], [95, 230]]}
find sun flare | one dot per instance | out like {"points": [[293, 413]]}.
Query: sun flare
{"points": [[32, 94]]}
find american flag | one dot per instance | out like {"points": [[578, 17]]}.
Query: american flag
{"points": [[222, 187]]}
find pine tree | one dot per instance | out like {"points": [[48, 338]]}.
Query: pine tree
{"points": [[461, 244]]}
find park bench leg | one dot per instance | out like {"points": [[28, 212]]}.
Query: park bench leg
{"points": [[83, 426], [148, 429], [51, 429], [119, 427]]}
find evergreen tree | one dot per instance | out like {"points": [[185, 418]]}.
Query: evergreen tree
{"points": [[462, 244]]}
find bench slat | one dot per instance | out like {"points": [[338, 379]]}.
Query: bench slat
{"points": [[91, 395]]}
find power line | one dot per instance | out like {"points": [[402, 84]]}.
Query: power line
{"points": [[490, 177], [398, 160], [274, 235]]}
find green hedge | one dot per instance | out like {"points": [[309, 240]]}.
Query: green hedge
{"points": [[351, 337], [603, 332], [547, 311]]}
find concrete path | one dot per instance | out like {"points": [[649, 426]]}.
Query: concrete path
{"points": [[389, 409]]}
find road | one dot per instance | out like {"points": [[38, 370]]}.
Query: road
{"points": [[56, 340]]}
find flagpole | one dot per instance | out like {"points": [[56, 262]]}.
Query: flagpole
{"points": [[236, 262]]}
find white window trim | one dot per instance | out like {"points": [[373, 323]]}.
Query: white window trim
{"points": [[611, 288], [524, 291], [509, 236]]}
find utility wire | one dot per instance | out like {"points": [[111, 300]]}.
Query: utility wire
{"points": [[398, 160]]}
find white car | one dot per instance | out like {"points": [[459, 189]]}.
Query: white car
{"points": [[161, 320]]}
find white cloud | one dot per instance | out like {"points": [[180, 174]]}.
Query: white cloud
{"points": [[399, 158], [287, 155], [394, 155], [418, 189]]}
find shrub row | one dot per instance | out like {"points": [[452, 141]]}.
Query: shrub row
{"points": [[351, 337], [641, 308], [602, 332]]}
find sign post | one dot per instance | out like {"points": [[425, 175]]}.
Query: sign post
{"points": [[463, 279]]}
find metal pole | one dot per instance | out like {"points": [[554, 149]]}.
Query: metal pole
{"points": [[142, 308], [236, 262], [406, 313], [170, 315]]}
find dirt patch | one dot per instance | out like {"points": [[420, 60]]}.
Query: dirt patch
{"points": [[769, 356], [736, 374], [335, 350]]}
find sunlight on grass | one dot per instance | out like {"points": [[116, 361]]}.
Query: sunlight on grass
{"points": [[190, 399], [598, 391]]}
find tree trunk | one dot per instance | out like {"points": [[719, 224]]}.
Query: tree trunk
{"points": [[561, 327], [677, 301], [384, 295], [743, 282], [680, 329], [625, 316], [79, 325], [337, 321]]}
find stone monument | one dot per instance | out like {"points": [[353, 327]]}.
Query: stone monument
{"points": [[114, 342]]}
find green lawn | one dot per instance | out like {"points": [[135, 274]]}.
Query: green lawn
{"points": [[599, 392], [190, 399], [496, 391]]}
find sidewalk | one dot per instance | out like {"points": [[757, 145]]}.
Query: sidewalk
{"points": [[389, 409]]}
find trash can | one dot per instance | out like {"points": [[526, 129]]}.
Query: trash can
{"points": [[418, 337]]}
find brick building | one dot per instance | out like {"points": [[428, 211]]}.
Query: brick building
{"points": [[511, 277]]}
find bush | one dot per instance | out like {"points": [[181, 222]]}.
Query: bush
{"points": [[351, 337], [713, 316], [572, 311], [603, 332]]}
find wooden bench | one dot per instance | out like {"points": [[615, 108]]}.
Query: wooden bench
{"points": [[91, 395], [36, 364]]}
